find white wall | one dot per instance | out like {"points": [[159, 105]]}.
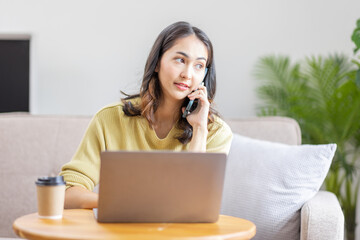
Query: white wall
{"points": [[84, 52]]}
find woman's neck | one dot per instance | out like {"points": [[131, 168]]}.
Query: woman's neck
{"points": [[168, 112]]}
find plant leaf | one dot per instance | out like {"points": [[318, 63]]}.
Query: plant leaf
{"points": [[355, 37], [357, 78]]}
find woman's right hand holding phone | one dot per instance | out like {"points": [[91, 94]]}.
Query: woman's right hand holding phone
{"points": [[198, 119]]}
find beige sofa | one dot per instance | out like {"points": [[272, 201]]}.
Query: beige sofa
{"points": [[33, 146]]}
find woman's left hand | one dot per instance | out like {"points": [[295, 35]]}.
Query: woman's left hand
{"points": [[199, 117]]}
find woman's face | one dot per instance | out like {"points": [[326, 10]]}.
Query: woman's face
{"points": [[182, 68]]}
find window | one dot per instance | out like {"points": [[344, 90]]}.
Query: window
{"points": [[14, 74]]}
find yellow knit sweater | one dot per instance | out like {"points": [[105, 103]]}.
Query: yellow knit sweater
{"points": [[110, 129]]}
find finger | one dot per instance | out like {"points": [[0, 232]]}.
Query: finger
{"points": [[203, 89], [196, 92], [198, 95]]}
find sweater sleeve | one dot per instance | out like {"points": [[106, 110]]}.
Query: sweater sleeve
{"points": [[219, 138], [84, 168]]}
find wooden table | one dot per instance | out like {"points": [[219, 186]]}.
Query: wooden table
{"points": [[81, 224]]}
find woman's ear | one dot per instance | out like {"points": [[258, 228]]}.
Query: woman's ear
{"points": [[157, 68]]}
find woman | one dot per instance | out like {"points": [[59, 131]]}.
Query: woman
{"points": [[180, 60]]}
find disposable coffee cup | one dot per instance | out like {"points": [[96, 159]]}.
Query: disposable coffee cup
{"points": [[50, 196]]}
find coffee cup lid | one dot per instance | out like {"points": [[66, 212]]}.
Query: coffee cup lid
{"points": [[50, 181]]}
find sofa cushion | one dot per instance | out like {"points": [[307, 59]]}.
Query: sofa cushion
{"points": [[268, 183], [275, 129]]}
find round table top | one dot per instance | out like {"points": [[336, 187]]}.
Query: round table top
{"points": [[81, 224]]}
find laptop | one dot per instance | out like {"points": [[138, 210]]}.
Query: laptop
{"points": [[160, 187]]}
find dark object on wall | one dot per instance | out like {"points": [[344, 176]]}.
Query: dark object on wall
{"points": [[14, 75]]}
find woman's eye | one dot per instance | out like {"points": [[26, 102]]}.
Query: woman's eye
{"points": [[180, 60], [199, 66]]}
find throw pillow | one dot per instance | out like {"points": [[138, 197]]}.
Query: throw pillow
{"points": [[268, 183]]}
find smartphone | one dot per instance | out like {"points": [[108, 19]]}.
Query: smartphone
{"points": [[192, 105]]}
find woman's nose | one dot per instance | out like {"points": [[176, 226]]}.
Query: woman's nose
{"points": [[187, 73]]}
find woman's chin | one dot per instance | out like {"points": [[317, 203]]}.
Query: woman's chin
{"points": [[177, 97]]}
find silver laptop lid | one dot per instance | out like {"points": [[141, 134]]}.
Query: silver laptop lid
{"points": [[160, 186]]}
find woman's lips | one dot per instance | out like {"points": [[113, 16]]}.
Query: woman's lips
{"points": [[181, 86]]}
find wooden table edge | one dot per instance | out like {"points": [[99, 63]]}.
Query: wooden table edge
{"points": [[247, 234], [29, 235]]}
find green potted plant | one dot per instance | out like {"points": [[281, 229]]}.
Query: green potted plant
{"points": [[323, 95]]}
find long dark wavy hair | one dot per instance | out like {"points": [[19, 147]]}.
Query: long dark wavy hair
{"points": [[150, 91]]}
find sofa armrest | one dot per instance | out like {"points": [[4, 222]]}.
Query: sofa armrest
{"points": [[322, 218]]}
